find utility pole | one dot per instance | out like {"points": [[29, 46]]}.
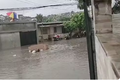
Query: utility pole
{"points": [[90, 43]]}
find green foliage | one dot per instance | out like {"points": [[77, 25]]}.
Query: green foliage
{"points": [[64, 19], [80, 3], [76, 22], [59, 17], [116, 7], [39, 17], [55, 17], [70, 26]]}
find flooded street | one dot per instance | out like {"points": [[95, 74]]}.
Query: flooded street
{"points": [[66, 59]]}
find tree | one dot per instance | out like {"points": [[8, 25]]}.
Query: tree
{"points": [[64, 19], [116, 7], [80, 3], [39, 17], [70, 27], [76, 22]]}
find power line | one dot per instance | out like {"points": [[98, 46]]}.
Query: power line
{"points": [[30, 8]]}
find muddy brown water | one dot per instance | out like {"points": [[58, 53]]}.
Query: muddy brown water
{"points": [[66, 59]]}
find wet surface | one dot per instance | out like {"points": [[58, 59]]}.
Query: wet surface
{"points": [[66, 59]]}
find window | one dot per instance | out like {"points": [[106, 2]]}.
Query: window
{"points": [[55, 29], [44, 30], [64, 30]]}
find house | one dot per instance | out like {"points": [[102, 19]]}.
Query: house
{"points": [[48, 30]]}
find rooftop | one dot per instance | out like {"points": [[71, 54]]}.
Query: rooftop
{"points": [[49, 23]]}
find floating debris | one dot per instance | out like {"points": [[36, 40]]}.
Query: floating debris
{"points": [[33, 51], [14, 55]]}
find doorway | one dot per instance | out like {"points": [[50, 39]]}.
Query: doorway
{"points": [[28, 38]]}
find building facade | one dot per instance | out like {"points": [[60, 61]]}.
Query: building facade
{"points": [[48, 30]]}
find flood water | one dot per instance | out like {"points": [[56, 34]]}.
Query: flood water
{"points": [[66, 59]]}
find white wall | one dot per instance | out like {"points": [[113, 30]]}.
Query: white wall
{"points": [[116, 23], [104, 67], [59, 30]]}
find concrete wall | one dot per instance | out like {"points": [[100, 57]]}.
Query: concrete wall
{"points": [[17, 26], [45, 36], [102, 22], [103, 17], [9, 33], [116, 23], [59, 30], [104, 66], [9, 40], [51, 30]]}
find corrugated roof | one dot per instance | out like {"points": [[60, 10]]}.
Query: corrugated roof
{"points": [[49, 23], [53, 25]]}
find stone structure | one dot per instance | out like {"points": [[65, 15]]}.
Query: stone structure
{"points": [[105, 70], [16, 34], [116, 23], [106, 43], [103, 16]]}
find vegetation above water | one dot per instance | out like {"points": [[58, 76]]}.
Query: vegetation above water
{"points": [[73, 22], [76, 23], [55, 17]]}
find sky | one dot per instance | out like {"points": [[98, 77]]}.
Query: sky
{"points": [[113, 2], [34, 3]]}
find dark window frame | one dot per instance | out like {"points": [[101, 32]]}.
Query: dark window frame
{"points": [[55, 29]]}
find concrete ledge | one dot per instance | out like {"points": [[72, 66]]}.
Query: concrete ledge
{"points": [[111, 45], [18, 22], [13, 31]]}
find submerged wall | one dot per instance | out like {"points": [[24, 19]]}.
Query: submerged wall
{"points": [[10, 33]]}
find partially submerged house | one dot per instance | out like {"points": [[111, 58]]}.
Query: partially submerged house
{"points": [[48, 30], [17, 34]]}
